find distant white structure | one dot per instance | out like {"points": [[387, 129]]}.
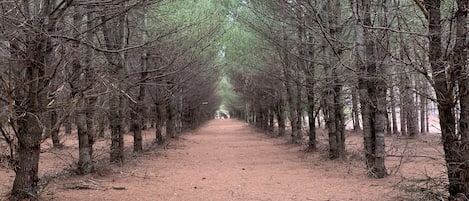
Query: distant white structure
{"points": [[222, 115]]}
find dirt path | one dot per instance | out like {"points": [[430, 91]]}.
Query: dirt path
{"points": [[227, 160]]}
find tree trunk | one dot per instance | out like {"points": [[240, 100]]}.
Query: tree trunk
{"points": [[26, 180], [102, 124], [292, 110], [90, 80], [372, 90], [355, 110], [402, 115], [312, 126], [170, 132], [271, 120], [78, 87], [318, 118], [84, 148], [116, 118], [311, 110], [31, 103], [291, 99], [444, 86], [280, 114], [68, 125], [395, 131], [388, 122], [333, 110], [84, 162], [423, 106], [459, 56], [408, 108], [31, 50], [53, 129], [159, 137], [114, 36], [138, 119]]}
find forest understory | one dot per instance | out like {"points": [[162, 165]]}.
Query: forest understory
{"points": [[230, 160]]}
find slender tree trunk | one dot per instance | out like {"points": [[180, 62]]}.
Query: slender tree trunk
{"points": [[423, 102], [459, 56], [388, 122], [136, 114], [319, 119], [68, 125], [138, 119], [291, 100], [427, 126], [395, 131], [402, 115], [271, 120], [159, 137], [407, 97], [311, 89], [333, 111], [84, 160], [311, 108], [170, 132], [90, 80], [114, 36], [102, 124], [54, 131], [444, 86], [372, 90], [84, 157], [312, 126], [280, 114], [355, 110]]}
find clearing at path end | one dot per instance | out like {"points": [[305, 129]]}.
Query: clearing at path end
{"points": [[228, 160]]}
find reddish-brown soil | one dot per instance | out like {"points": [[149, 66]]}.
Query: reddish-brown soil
{"points": [[228, 160]]}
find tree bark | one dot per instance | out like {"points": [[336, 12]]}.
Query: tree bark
{"points": [[78, 87], [271, 120], [138, 113], [423, 106], [280, 114], [170, 132], [159, 105], [460, 175], [402, 114], [31, 99], [409, 120], [372, 90], [333, 110], [90, 82], [355, 110], [114, 36], [392, 98], [68, 125], [444, 85], [291, 100], [30, 94], [54, 131]]}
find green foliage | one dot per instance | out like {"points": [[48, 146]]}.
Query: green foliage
{"points": [[230, 98], [243, 52]]}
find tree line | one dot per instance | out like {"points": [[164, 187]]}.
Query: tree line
{"points": [[121, 66], [383, 65]]}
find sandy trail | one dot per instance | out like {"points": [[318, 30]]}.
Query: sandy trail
{"points": [[228, 160]]}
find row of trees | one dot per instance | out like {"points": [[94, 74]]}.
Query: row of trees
{"points": [[121, 65], [341, 60]]}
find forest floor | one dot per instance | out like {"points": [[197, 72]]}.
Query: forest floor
{"points": [[229, 160]]}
